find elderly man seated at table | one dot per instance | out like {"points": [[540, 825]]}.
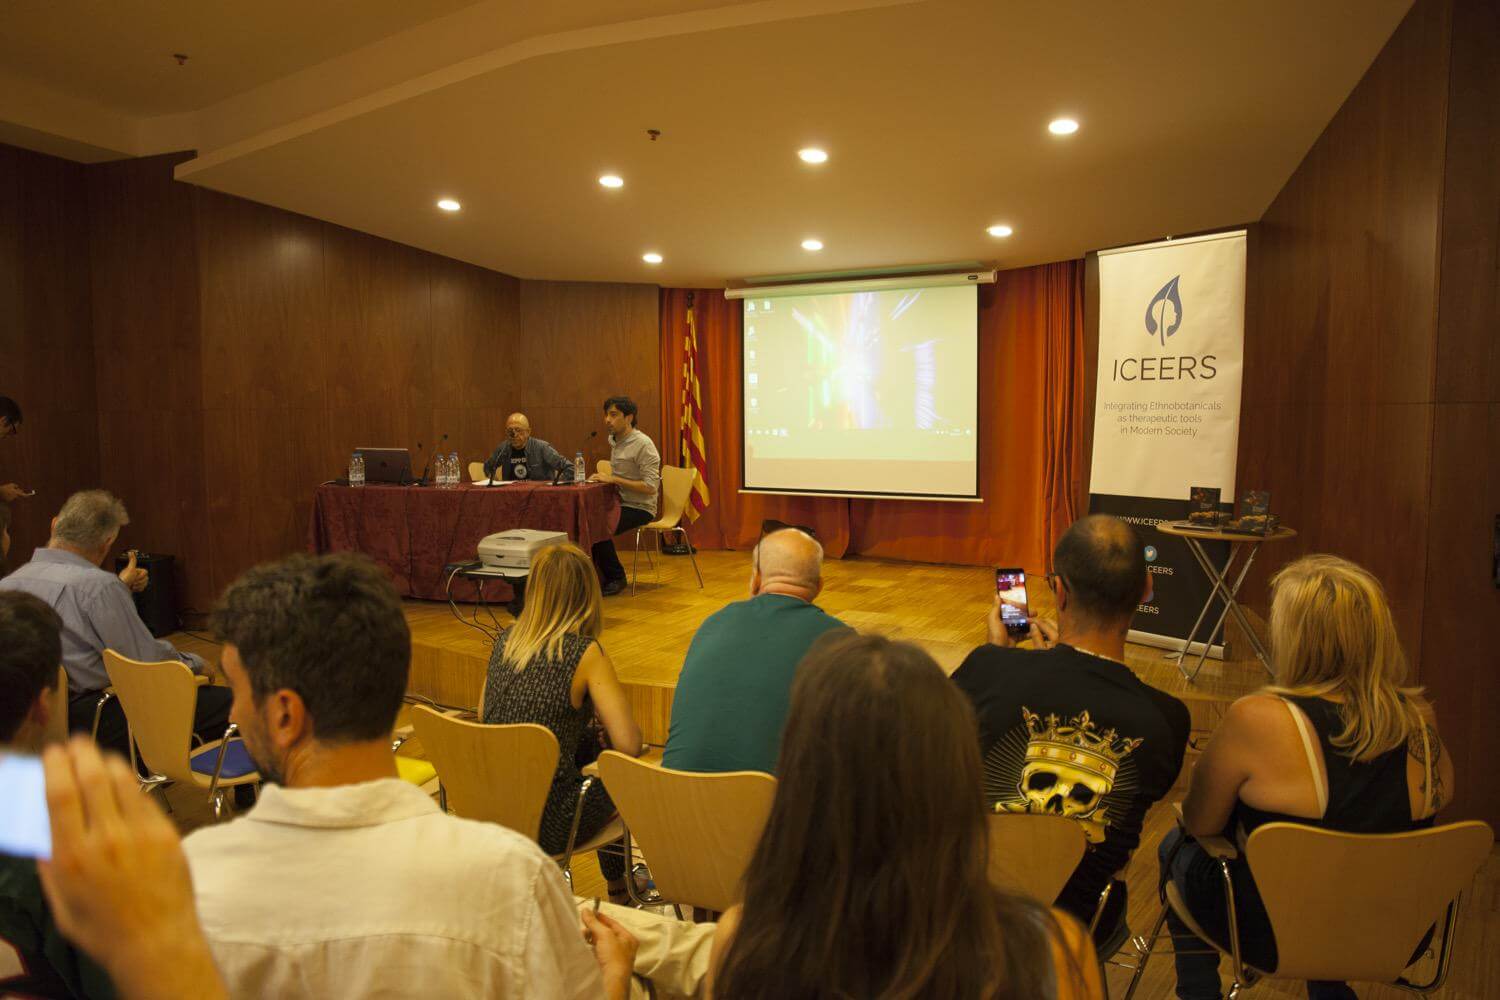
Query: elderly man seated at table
{"points": [[525, 457]]}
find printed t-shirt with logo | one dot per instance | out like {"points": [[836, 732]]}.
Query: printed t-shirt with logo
{"points": [[1072, 734]]}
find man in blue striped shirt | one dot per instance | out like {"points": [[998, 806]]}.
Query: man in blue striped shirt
{"points": [[98, 613]]}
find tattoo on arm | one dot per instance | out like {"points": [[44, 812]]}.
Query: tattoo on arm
{"points": [[1418, 749]]}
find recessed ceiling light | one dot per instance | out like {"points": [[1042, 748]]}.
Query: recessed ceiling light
{"points": [[448, 205], [612, 181], [999, 232], [811, 244], [812, 155], [651, 258], [1062, 126]]}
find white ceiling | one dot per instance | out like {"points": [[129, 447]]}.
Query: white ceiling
{"points": [[934, 114]]}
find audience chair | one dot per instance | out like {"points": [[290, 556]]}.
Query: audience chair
{"points": [[603, 467], [476, 472], [676, 490], [501, 774], [1034, 854], [57, 711], [1345, 906], [159, 700], [698, 831]]}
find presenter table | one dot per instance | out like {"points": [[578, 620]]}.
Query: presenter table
{"points": [[1250, 545], [415, 531]]}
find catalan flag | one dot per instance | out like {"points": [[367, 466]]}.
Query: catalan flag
{"points": [[691, 425]]}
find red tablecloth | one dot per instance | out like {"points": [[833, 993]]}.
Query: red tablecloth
{"points": [[414, 531]]}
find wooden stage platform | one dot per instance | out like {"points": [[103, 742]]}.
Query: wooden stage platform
{"points": [[942, 608]]}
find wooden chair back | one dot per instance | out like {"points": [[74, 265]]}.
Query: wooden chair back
{"points": [[1034, 854], [1348, 906], [698, 831], [476, 472], [603, 467], [676, 488], [499, 774], [57, 710], [159, 700]]}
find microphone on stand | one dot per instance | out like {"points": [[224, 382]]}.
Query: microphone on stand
{"points": [[428, 464]]}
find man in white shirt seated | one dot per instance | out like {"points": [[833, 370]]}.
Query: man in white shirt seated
{"points": [[345, 880]]}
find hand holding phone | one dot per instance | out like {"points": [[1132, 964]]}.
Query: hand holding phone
{"points": [[24, 829], [1010, 589]]}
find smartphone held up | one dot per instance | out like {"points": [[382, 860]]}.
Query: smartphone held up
{"points": [[24, 828], [1015, 614]]}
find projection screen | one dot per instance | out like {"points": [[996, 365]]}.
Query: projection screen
{"points": [[863, 393]]}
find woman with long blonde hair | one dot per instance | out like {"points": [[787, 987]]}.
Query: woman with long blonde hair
{"points": [[549, 669], [1340, 741]]}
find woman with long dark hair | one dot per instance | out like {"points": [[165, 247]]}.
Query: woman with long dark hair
{"points": [[870, 879]]}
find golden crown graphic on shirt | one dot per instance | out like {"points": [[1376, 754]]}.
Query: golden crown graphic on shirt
{"points": [[1077, 744]]}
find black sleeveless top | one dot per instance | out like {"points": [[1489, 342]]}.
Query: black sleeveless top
{"points": [[1369, 797]]}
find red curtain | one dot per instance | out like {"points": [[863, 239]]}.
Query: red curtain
{"points": [[1030, 398]]}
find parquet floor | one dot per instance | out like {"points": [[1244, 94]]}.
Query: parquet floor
{"points": [[942, 608]]}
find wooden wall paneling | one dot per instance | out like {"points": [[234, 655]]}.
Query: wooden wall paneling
{"points": [[49, 359], [266, 349], [1468, 343], [378, 322], [1461, 635], [263, 305], [475, 329], [143, 253], [1342, 290], [593, 341]]}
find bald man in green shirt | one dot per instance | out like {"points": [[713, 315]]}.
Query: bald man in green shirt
{"points": [[732, 695]]}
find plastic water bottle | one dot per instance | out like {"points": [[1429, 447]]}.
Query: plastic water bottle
{"points": [[454, 476], [578, 476], [356, 469]]}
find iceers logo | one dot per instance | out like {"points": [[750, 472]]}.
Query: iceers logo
{"points": [[1163, 319], [1164, 313]]}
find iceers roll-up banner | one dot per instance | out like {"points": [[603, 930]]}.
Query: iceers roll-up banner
{"points": [[1167, 406]]}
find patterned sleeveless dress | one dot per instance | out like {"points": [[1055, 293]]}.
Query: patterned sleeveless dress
{"points": [[542, 694]]}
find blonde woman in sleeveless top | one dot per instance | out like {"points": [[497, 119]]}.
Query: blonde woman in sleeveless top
{"points": [[1339, 742]]}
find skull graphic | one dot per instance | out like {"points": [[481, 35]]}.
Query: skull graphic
{"points": [[1070, 768], [1053, 787]]}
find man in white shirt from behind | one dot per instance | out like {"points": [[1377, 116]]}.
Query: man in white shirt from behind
{"points": [[345, 881]]}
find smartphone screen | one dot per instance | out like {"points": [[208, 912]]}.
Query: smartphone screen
{"points": [[1010, 584], [24, 830]]}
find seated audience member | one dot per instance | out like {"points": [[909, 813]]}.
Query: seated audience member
{"points": [[549, 669], [98, 614], [871, 877], [35, 959], [345, 880], [1337, 743], [732, 695], [1067, 728], [120, 886], [635, 467], [522, 456]]}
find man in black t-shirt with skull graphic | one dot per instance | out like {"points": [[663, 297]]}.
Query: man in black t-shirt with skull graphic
{"points": [[1067, 729]]}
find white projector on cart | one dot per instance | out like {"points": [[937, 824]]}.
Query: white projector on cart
{"points": [[509, 553]]}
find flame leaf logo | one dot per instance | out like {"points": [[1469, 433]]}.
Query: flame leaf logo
{"points": [[1164, 314]]}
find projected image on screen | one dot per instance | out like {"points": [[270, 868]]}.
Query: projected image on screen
{"points": [[862, 392]]}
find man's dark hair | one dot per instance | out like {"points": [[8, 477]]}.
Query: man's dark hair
{"points": [[30, 653], [10, 410], [329, 628], [624, 404], [1103, 565]]}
